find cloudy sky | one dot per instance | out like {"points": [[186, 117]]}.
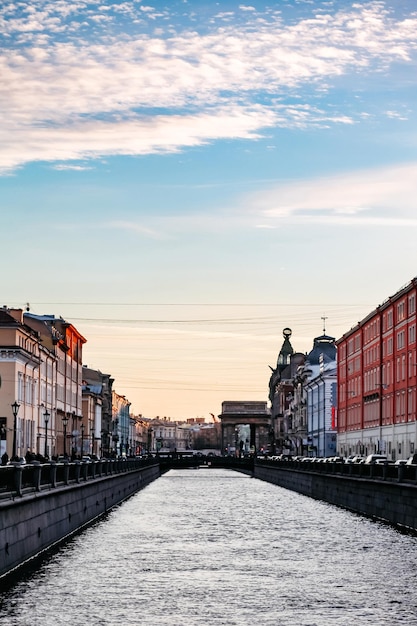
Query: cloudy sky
{"points": [[181, 180]]}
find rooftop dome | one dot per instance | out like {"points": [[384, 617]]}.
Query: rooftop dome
{"points": [[323, 345]]}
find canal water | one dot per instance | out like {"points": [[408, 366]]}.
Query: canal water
{"points": [[214, 547]]}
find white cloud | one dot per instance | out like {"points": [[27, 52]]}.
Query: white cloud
{"points": [[380, 197], [69, 166], [376, 198], [60, 86], [129, 137], [135, 227], [396, 115]]}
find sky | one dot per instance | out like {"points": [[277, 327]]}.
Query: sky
{"points": [[181, 180]]}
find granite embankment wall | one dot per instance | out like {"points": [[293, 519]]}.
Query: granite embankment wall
{"points": [[389, 499], [34, 520]]}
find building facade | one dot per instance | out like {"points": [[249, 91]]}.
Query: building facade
{"points": [[287, 428], [40, 372], [60, 381], [320, 388], [121, 427], [97, 389], [22, 384], [377, 377]]}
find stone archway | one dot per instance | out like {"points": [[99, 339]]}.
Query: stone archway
{"points": [[256, 415]]}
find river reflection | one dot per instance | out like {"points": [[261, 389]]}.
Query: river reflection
{"points": [[211, 546]]}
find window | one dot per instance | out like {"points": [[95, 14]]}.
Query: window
{"points": [[400, 340], [410, 404], [412, 334], [400, 311], [411, 304], [29, 388], [20, 386]]}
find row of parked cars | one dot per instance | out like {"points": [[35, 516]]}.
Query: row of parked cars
{"points": [[380, 459], [371, 459]]}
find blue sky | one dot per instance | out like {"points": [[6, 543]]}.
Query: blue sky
{"points": [[182, 180]]}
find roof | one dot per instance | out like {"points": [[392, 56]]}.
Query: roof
{"points": [[324, 347]]}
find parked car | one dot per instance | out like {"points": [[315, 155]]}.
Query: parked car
{"points": [[401, 462], [19, 460], [373, 458], [358, 459]]}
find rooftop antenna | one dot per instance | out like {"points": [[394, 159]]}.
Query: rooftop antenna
{"points": [[324, 318]]}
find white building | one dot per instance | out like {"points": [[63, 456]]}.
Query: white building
{"points": [[320, 394], [40, 374]]}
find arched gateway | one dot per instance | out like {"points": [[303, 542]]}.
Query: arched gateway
{"points": [[246, 427]]}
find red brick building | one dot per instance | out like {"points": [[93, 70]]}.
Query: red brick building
{"points": [[377, 377]]}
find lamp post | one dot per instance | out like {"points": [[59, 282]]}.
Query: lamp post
{"points": [[65, 423], [46, 416], [15, 409], [150, 431], [82, 439], [115, 435], [272, 435], [74, 437], [102, 442]]}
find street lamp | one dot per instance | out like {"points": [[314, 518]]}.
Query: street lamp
{"points": [[150, 431], [46, 416], [65, 423], [102, 442], [74, 437], [82, 439], [15, 409], [115, 435]]}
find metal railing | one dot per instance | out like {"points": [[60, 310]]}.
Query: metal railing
{"points": [[378, 471], [174, 461], [18, 480]]}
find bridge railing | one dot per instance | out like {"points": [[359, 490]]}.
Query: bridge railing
{"points": [[378, 471], [173, 461], [18, 480]]}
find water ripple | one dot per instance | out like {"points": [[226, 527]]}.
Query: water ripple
{"points": [[213, 547]]}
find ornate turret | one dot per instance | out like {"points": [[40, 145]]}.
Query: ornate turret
{"points": [[286, 350], [323, 352], [283, 361]]}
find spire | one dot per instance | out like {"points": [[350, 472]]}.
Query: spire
{"points": [[286, 350]]}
